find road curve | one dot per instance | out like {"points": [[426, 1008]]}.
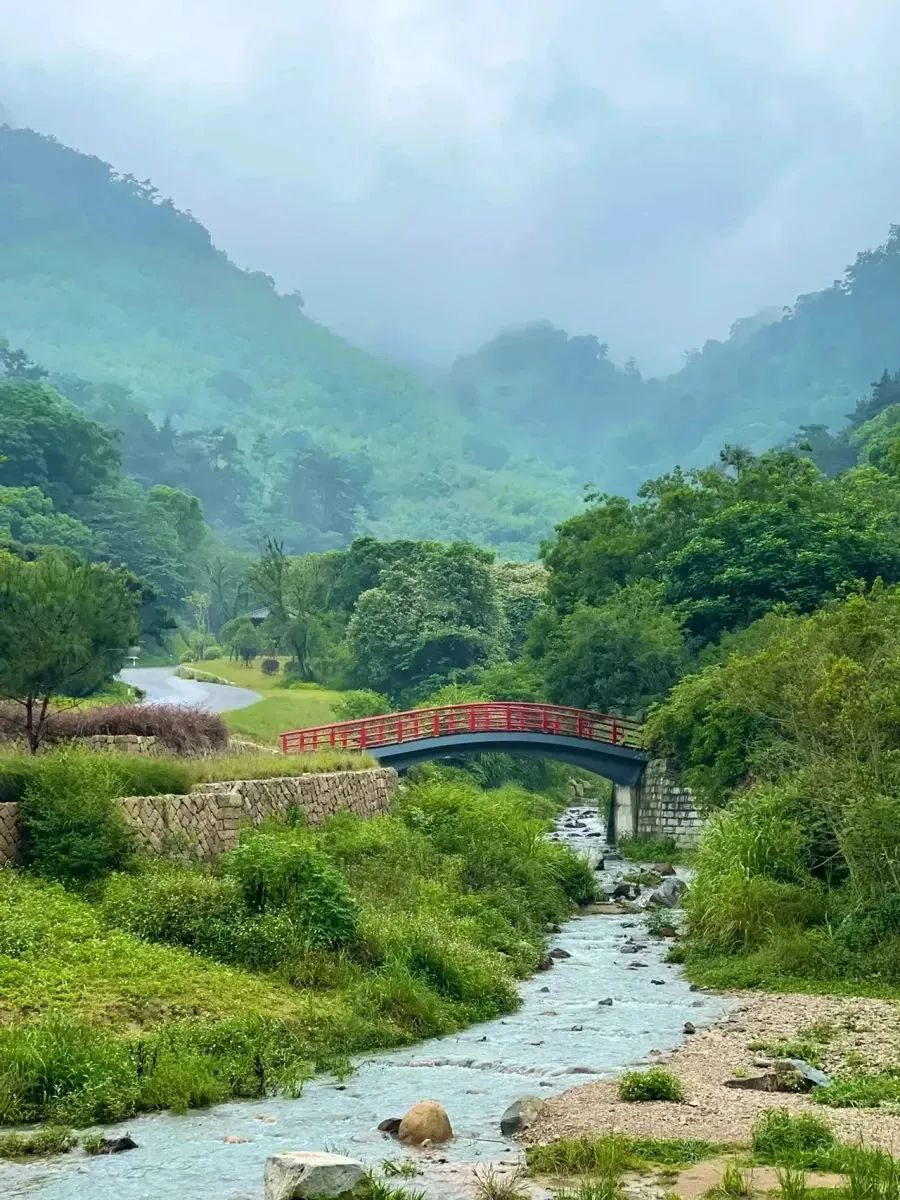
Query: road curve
{"points": [[162, 687]]}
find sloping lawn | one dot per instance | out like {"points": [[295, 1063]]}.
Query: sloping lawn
{"points": [[280, 709]]}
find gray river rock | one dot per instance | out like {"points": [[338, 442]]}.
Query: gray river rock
{"points": [[564, 1033]]}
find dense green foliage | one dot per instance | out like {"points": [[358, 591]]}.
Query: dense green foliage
{"points": [[357, 935], [793, 738], [74, 829], [639, 593], [64, 630], [396, 619], [220, 386]]}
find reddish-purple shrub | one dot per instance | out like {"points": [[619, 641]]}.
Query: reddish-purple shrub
{"points": [[182, 730]]}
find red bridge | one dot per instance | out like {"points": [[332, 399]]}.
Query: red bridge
{"points": [[610, 746]]}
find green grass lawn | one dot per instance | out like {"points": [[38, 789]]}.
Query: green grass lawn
{"points": [[280, 709], [237, 673]]}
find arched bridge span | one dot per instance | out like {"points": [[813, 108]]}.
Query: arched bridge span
{"points": [[609, 746]]}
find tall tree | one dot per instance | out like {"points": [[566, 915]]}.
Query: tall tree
{"points": [[65, 629]]}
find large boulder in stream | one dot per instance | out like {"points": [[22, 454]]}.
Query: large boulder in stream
{"points": [[426, 1121], [312, 1175], [669, 893], [520, 1115]]}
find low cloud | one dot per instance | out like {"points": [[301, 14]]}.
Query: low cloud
{"points": [[425, 171]]}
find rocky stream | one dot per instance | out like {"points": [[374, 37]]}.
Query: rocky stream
{"points": [[600, 1005]]}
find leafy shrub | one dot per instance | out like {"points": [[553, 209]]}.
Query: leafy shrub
{"points": [[167, 902], [270, 666], [361, 703], [285, 870], [182, 729], [52, 1139], [15, 772], [655, 1084], [793, 1141], [650, 849], [184, 905], [74, 830]]}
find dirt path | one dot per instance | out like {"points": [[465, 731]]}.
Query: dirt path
{"points": [[865, 1036]]}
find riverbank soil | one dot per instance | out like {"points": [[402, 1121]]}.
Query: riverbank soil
{"points": [[858, 1036]]}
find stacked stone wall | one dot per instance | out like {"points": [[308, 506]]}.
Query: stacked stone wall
{"points": [[659, 806], [10, 834], [207, 822], [667, 808]]}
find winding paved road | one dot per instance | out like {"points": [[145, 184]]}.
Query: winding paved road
{"points": [[162, 687]]}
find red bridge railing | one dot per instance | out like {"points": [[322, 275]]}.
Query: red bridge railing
{"points": [[491, 716]]}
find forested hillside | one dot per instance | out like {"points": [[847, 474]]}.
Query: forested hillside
{"points": [[218, 381], [778, 372], [220, 386]]}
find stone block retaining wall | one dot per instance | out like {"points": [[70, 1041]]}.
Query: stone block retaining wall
{"points": [[207, 822], [667, 809], [659, 806]]}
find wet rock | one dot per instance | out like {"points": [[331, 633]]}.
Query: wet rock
{"points": [[233, 1139], [520, 1115], [626, 891], [658, 982], [117, 1145], [755, 1083], [664, 869], [666, 931], [690, 1027], [546, 963], [311, 1175], [544, 989], [576, 1029], [426, 1121], [390, 1125], [807, 1075], [668, 894], [635, 965], [607, 1003], [560, 953]]}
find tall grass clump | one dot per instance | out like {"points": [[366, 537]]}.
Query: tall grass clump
{"points": [[284, 870], [74, 830], [794, 1141], [655, 1084], [41, 1143]]}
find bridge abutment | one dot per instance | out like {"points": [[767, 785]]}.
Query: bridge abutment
{"points": [[658, 806]]}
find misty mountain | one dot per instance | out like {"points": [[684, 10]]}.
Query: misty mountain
{"points": [[221, 386], [104, 280], [780, 369]]}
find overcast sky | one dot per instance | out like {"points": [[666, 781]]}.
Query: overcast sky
{"points": [[427, 171]]}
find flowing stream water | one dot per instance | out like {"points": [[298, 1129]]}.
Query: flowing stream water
{"points": [[560, 1036]]}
